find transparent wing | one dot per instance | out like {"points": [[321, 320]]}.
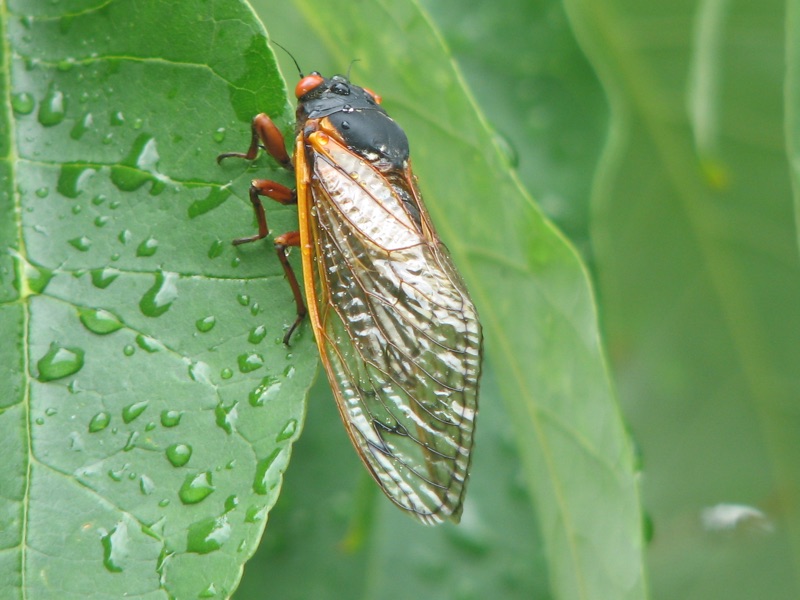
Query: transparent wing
{"points": [[398, 334]]}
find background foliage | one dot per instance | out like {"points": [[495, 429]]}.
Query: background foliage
{"points": [[669, 173]]}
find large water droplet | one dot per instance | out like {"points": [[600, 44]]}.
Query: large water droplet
{"points": [[59, 362], [99, 321], [205, 324], [158, 299], [115, 547], [257, 334], [99, 422], [53, 108], [81, 126], [215, 197], [140, 166], [288, 431], [243, 299], [36, 278], [250, 362], [208, 535], [267, 471], [226, 416], [179, 454], [73, 178], [215, 250], [171, 418], [132, 411], [102, 278], [147, 248], [265, 391], [23, 103], [148, 344], [196, 488]]}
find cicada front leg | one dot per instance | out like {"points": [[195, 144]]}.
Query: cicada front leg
{"points": [[265, 134]]}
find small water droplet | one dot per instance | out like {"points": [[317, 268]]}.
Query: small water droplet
{"points": [[288, 431], [81, 126], [101, 221], [60, 362], [255, 309], [209, 592], [36, 277], [66, 64], [98, 199], [115, 547], [130, 444], [99, 321], [255, 514], [124, 236], [208, 535], [205, 324], [99, 422], [219, 135], [82, 243], [146, 485], [257, 334], [147, 248], [53, 108], [507, 149], [226, 416], [164, 502], [179, 454], [231, 502], [118, 474], [43, 192], [243, 299], [102, 278], [171, 418], [77, 209], [117, 119], [236, 261], [148, 344], [266, 390], [128, 350], [250, 362], [216, 248], [23, 103], [39, 421], [226, 373], [49, 412], [159, 298], [196, 488], [132, 411]]}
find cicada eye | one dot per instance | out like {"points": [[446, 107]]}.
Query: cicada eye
{"points": [[308, 83]]}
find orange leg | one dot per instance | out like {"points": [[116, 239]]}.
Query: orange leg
{"points": [[282, 242], [271, 138]]}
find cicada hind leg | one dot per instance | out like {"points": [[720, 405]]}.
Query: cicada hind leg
{"points": [[265, 134]]}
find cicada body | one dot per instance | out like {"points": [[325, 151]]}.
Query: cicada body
{"points": [[396, 330]]}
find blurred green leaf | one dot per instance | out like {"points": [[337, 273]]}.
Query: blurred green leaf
{"points": [[145, 420], [696, 247]]}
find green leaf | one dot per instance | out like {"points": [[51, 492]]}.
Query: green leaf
{"points": [[147, 404], [542, 346], [696, 247]]}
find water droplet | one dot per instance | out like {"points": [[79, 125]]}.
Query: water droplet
{"points": [[147, 248], [179, 454], [171, 418], [130, 444], [216, 248], [288, 431], [208, 535], [99, 422], [158, 299], [36, 278], [236, 261], [215, 197], [140, 166], [39, 421], [507, 149], [226, 373], [205, 324], [66, 64], [231, 502], [53, 108], [99, 321], [73, 178], [124, 236], [23, 103], [219, 135], [43, 192], [59, 362], [255, 514], [164, 502], [102, 278], [257, 334], [101, 221], [243, 299], [255, 309], [209, 592], [128, 350], [267, 473], [146, 485], [77, 209], [115, 547], [82, 243], [81, 126], [49, 412], [132, 411], [117, 119], [250, 362], [226, 416], [266, 390], [118, 474], [196, 488], [148, 344]]}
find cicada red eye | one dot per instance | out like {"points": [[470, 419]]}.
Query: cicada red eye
{"points": [[307, 83]]}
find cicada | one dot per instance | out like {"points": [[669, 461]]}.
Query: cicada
{"points": [[397, 333]]}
